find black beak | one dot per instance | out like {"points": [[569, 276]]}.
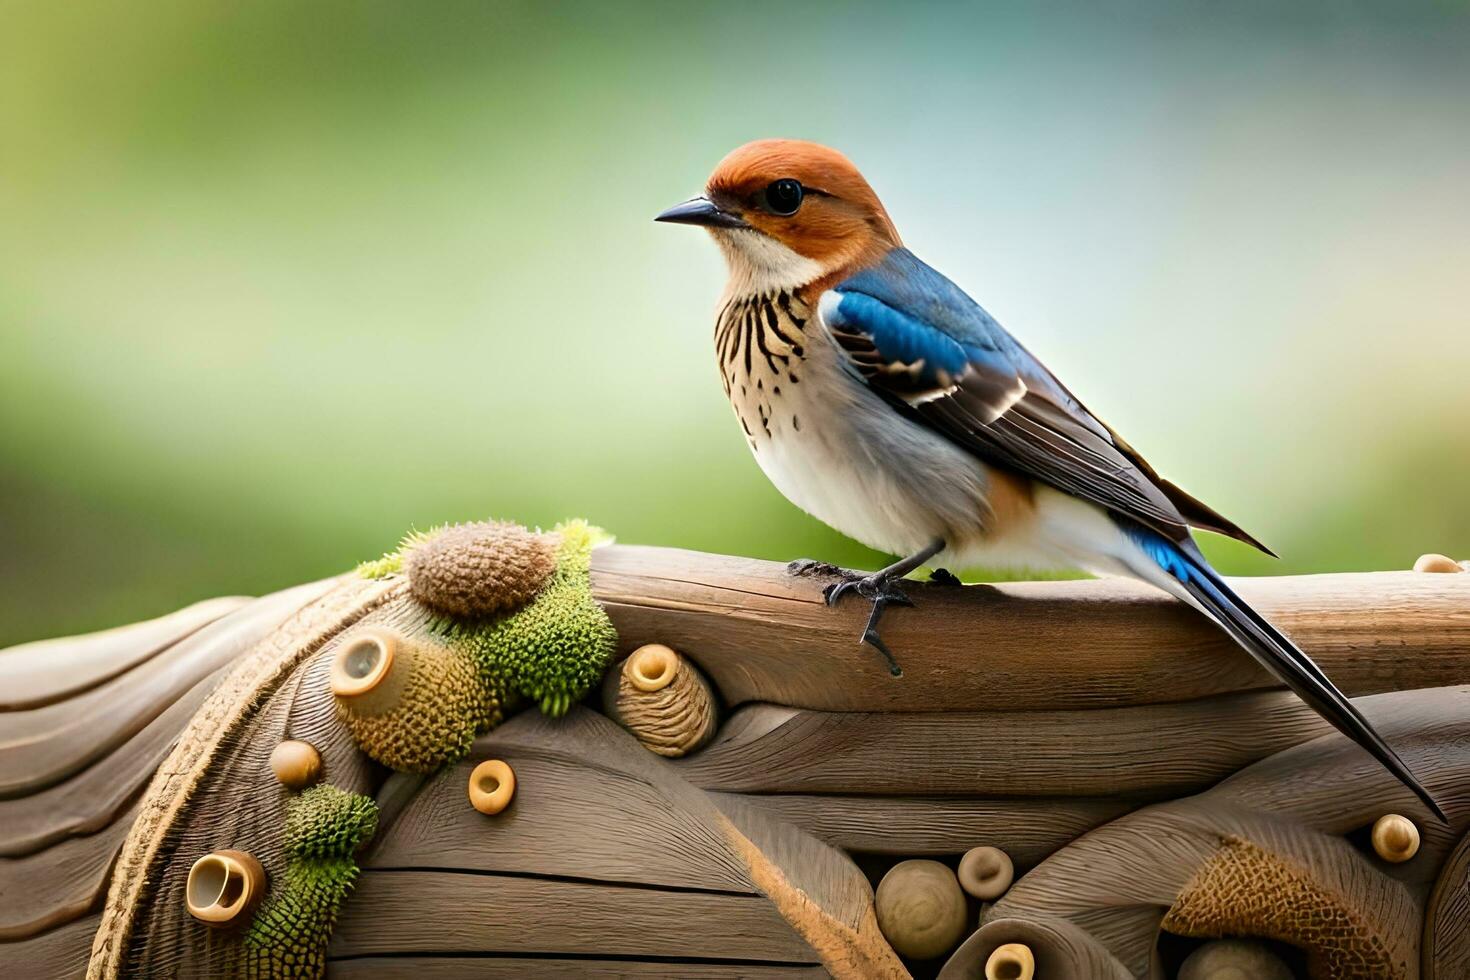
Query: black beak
{"points": [[701, 211]]}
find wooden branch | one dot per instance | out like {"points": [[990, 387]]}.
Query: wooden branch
{"points": [[762, 635]]}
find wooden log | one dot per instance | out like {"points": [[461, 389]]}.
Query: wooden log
{"points": [[760, 634]]}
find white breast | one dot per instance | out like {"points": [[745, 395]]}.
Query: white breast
{"points": [[833, 447]]}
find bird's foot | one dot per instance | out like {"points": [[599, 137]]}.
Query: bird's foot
{"points": [[943, 576], [882, 591], [808, 567]]}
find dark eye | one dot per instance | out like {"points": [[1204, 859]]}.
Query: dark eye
{"points": [[783, 196]]}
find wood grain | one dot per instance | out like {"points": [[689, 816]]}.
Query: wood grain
{"points": [[504, 914], [59, 954], [97, 795], [1027, 829], [520, 968], [762, 635], [52, 887], [33, 675], [42, 746], [1144, 751], [1446, 947]]}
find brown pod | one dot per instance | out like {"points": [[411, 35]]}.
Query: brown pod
{"points": [[1012, 961], [1395, 838], [297, 765], [412, 703], [663, 699], [920, 909], [223, 888], [986, 872], [492, 786], [479, 570]]}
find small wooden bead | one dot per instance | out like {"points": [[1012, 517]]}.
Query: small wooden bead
{"points": [[920, 909], [492, 785], [651, 667], [986, 872], [223, 888], [1234, 959], [1436, 563], [1013, 961], [1395, 838], [297, 765]]}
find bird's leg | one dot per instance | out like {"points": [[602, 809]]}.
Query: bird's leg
{"points": [[882, 590]]}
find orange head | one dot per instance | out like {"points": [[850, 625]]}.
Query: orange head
{"points": [[788, 212]]}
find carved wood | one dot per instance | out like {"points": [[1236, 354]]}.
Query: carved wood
{"points": [[1108, 739]]}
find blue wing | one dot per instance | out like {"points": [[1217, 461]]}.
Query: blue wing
{"points": [[918, 340]]}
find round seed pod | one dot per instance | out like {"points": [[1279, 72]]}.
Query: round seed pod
{"points": [[986, 872], [663, 699], [1234, 959], [1436, 563], [920, 908], [492, 786], [223, 888], [1395, 838], [296, 764], [479, 570], [1011, 961], [411, 703]]}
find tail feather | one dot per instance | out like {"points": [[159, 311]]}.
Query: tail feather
{"points": [[1271, 648]]}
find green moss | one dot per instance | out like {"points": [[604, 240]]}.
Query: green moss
{"points": [[288, 937], [551, 651]]}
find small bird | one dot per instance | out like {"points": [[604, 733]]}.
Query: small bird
{"points": [[881, 399]]}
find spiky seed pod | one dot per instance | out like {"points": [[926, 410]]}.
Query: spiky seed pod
{"points": [[327, 822], [475, 571], [555, 649], [412, 703], [663, 699], [325, 826], [920, 909], [986, 872]]}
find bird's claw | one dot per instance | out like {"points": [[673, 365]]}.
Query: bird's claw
{"points": [[883, 592]]}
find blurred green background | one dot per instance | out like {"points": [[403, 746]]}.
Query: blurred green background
{"points": [[279, 280]]}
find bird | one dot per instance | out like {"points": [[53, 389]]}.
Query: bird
{"points": [[881, 399]]}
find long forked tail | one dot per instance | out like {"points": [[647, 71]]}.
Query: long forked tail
{"points": [[1184, 565]]}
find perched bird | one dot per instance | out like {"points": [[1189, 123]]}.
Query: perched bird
{"points": [[882, 400]]}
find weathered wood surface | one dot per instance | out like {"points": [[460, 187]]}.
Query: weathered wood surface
{"points": [[1144, 751], [33, 675], [1028, 829], [562, 968], [605, 851], [1446, 953], [761, 635], [1300, 807]]}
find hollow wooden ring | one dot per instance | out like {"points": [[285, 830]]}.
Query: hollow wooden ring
{"points": [[223, 888], [492, 785]]}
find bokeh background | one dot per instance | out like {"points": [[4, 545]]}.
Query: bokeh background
{"points": [[279, 280]]}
